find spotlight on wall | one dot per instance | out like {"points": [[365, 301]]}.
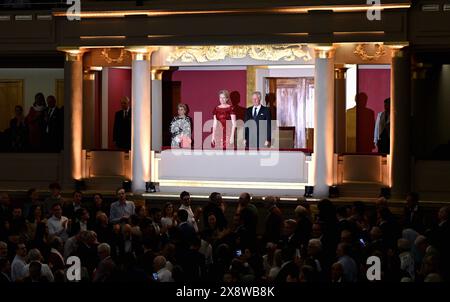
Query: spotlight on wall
{"points": [[126, 185], [385, 192], [309, 190], [333, 192], [151, 187], [80, 185]]}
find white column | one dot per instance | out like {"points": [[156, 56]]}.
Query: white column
{"points": [[339, 107], [323, 120], [141, 118], [105, 108], [73, 117], [400, 155], [157, 114]]}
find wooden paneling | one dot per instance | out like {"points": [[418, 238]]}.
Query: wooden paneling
{"points": [[11, 94]]}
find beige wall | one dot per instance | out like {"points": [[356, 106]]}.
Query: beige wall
{"points": [[34, 80]]}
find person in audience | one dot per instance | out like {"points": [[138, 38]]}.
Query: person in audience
{"points": [[58, 225], [55, 259], [71, 208], [81, 222], [186, 230], [349, 267], [162, 273], [381, 134], [216, 205], [35, 121], [244, 203], [337, 272], [155, 215], [5, 208], [35, 273], [18, 131], [180, 128], [168, 219], [274, 220], [106, 268], [54, 127], [185, 199], [3, 249], [102, 228], [304, 227], [55, 197], [122, 125], [122, 209], [34, 255], [18, 264], [98, 206], [33, 200], [5, 270]]}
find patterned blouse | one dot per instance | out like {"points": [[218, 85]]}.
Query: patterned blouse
{"points": [[178, 127]]}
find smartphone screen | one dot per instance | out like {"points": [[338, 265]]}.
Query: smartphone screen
{"points": [[238, 253]]}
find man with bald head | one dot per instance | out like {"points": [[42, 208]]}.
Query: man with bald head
{"points": [[122, 125]]}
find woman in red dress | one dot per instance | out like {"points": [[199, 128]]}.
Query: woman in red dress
{"points": [[223, 130]]}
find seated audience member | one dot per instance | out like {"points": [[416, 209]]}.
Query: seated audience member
{"points": [[55, 197], [98, 206], [35, 273], [58, 225], [162, 273], [35, 218], [81, 222], [406, 258], [3, 249], [70, 209], [122, 209], [106, 268], [34, 255], [102, 228], [33, 201], [337, 272]]}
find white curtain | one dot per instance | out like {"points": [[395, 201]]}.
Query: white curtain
{"points": [[295, 106]]}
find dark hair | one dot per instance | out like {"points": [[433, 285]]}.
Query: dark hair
{"points": [[414, 196], [99, 194], [118, 189], [153, 211], [31, 191], [79, 212], [388, 100], [55, 205], [183, 215], [55, 242], [54, 185], [360, 207], [3, 263], [31, 212], [75, 192], [184, 194], [214, 197], [165, 208], [342, 211]]}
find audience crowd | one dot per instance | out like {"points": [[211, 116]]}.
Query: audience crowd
{"points": [[127, 242]]}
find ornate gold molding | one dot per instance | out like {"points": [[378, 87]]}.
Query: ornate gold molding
{"points": [[143, 53], [202, 54], [106, 55], [324, 51], [360, 51], [340, 72], [73, 54]]}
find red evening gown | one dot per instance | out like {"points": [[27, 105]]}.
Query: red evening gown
{"points": [[223, 116]]}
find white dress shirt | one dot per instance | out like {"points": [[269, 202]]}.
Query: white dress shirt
{"points": [[191, 217], [55, 227], [17, 268], [257, 110]]}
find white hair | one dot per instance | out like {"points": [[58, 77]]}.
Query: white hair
{"points": [[315, 243], [34, 255], [258, 94], [104, 247]]}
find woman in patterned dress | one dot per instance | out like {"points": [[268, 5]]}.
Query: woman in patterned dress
{"points": [[180, 129]]}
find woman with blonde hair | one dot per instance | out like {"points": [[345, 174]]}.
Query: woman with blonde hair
{"points": [[223, 113]]}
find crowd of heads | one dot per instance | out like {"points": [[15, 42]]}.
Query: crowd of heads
{"points": [[219, 241]]}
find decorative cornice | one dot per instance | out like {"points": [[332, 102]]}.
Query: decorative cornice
{"points": [[202, 54], [360, 51]]}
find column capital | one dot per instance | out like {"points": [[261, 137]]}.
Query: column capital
{"points": [[158, 71], [141, 53], [340, 72], [397, 49], [74, 54], [324, 51]]}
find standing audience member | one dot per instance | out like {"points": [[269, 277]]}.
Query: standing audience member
{"points": [[18, 131], [35, 121], [122, 209]]}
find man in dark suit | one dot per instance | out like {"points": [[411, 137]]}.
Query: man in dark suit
{"points": [[261, 135], [54, 127], [122, 125]]}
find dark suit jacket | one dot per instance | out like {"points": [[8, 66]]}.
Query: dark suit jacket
{"points": [[262, 119], [122, 130], [54, 129], [56, 261]]}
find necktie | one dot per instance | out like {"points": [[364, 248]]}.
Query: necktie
{"points": [[254, 112]]}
